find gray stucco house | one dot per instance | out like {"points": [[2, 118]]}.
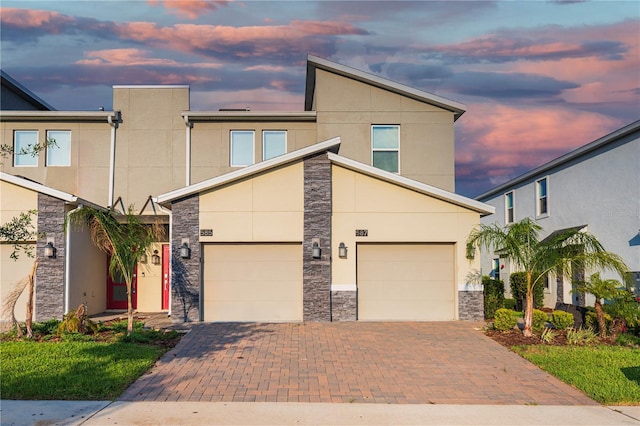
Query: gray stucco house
{"points": [[595, 187]]}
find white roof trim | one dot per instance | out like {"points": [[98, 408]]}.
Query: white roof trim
{"points": [[456, 107], [38, 187], [150, 86], [423, 188], [248, 171]]}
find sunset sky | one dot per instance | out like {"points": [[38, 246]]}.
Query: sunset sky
{"points": [[538, 78]]}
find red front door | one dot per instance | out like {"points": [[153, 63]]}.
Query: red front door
{"points": [[165, 276], [117, 290]]}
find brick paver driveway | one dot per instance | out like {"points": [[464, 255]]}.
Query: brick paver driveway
{"points": [[415, 363]]}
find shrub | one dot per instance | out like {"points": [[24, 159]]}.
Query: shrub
{"points": [[581, 336], [625, 307], [46, 328], [120, 326], [629, 340], [539, 320], [493, 295], [591, 320], [519, 289], [504, 320], [548, 335], [562, 320], [509, 304]]}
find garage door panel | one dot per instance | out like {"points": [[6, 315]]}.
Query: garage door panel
{"points": [[252, 282], [404, 282]]}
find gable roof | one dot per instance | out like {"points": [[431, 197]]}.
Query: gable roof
{"points": [[423, 188], [26, 95], [329, 145], [575, 154], [314, 62], [43, 189]]}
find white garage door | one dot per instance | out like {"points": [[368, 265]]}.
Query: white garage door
{"points": [[406, 282], [252, 282]]}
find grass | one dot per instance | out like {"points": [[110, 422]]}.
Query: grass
{"points": [[607, 374], [75, 366]]}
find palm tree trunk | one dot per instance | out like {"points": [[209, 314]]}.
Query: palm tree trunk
{"points": [[29, 317], [129, 308], [528, 314], [602, 325]]}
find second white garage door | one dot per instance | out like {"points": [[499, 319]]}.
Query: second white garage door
{"points": [[406, 282], [252, 282]]}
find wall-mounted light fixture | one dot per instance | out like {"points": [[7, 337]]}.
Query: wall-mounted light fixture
{"points": [[185, 251], [155, 259], [315, 249], [143, 258], [471, 251], [342, 251], [50, 250]]}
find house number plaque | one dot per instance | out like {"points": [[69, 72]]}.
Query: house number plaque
{"points": [[206, 232], [362, 232]]}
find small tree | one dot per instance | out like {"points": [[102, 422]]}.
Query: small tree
{"points": [[601, 289], [124, 238], [520, 243]]}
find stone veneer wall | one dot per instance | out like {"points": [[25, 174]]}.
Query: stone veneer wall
{"points": [[471, 305], [316, 279], [344, 306], [185, 285], [49, 285]]}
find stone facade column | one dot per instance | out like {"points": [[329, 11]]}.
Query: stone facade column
{"points": [[316, 279], [49, 286], [185, 283], [344, 306], [471, 302]]}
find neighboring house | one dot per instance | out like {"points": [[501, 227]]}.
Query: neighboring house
{"points": [[251, 194], [595, 187], [14, 96]]}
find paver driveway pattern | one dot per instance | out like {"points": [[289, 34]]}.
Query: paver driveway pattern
{"points": [[414, 363]]}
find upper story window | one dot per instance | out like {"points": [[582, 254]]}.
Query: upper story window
{"points": [[385, 147], [242, 148], [23, 142], [274, 143], [509, 207], [59, 153], [542, 201]]}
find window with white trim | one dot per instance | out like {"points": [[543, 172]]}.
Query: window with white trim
{"points": [[59, 148], [542, 200], [242, 148], [23, 143], [509, 207], [385, 147], [274, 143]]}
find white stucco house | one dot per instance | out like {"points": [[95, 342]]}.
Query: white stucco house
{"points": [[595, 187]]}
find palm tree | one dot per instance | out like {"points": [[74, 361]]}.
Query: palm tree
{"points": [[601, 289], [124, 240], [521, 245]]}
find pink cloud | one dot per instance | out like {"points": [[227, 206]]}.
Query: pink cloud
{"points": [[189, 8], [135, 57], [52, 22]]}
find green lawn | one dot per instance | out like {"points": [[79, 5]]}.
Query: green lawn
{"points": [[72, 370], [607, 374]]}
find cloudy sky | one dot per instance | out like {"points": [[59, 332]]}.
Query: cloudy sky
{"points": [[538, 78]]}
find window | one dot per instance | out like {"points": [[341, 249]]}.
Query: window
{"points": [[508, 205], [542, 206], [242, 148], [274, 143], [59, 154], [385, 146], [24, 140], [495, 272]]}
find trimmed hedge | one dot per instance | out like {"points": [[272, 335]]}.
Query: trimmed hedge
{"points": [[562, 320], [493, 296], [504, 319], [519, 289], [539, 320]]}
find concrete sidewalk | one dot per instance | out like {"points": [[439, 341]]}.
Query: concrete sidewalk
{"points": [[267, 413]]}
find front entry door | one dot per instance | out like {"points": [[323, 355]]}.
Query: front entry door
{"points": [[117, 290], [165, 276]]}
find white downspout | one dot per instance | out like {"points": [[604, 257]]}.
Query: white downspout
{"points": [[112, 161], [188, 149], [67, 262]]}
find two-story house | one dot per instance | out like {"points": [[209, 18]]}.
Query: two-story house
{"points": [[595, 187], [343, 211]]}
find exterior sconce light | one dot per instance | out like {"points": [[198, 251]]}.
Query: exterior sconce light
{"points": [[155, 259], [143, 258], [50, 250], [342, 251], [185, 251], [315, 250], [471, 251]]}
